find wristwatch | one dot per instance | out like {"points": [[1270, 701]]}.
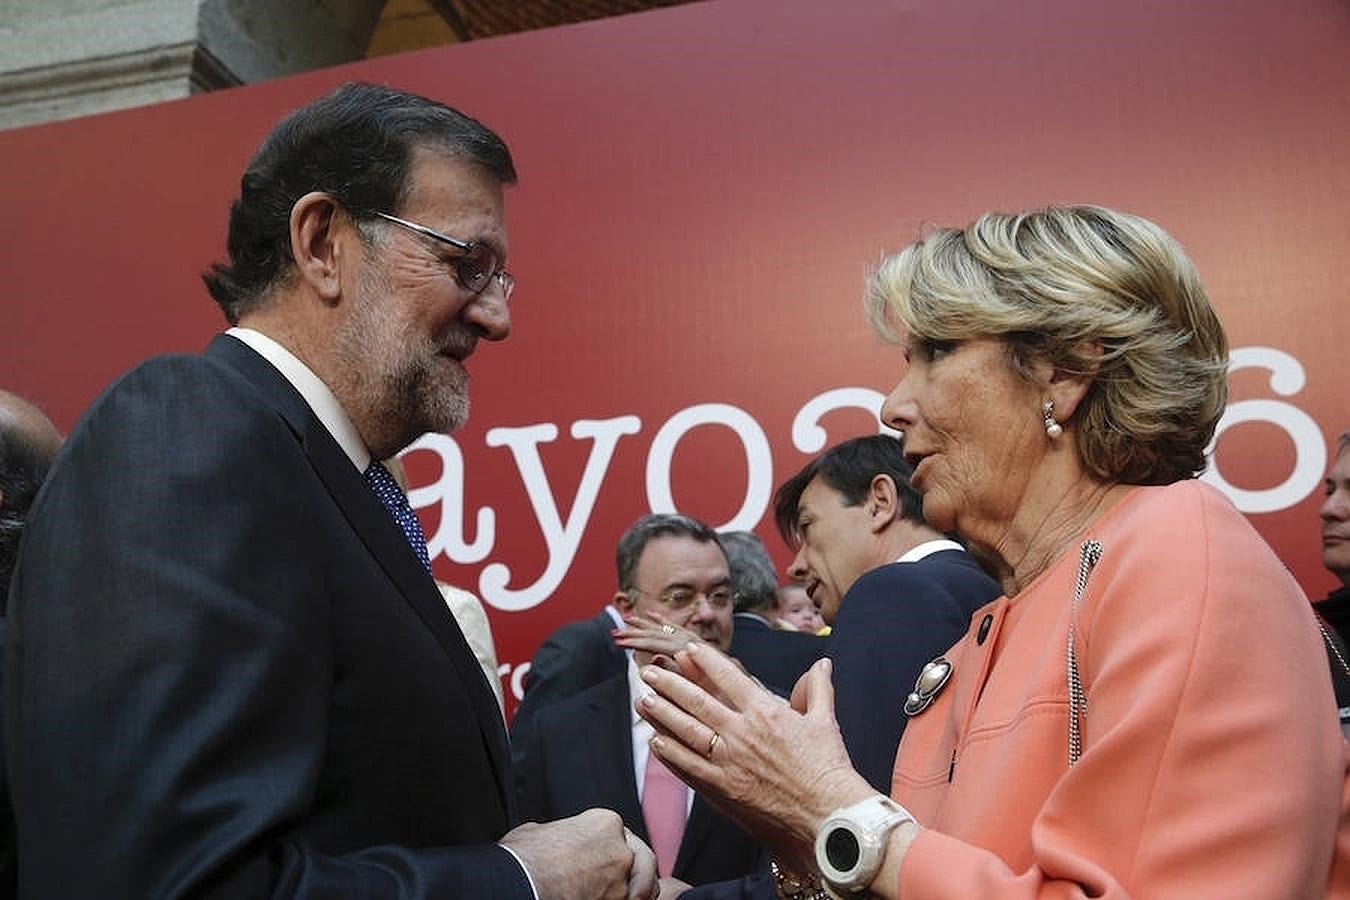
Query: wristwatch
{"points": [[852, 843]]}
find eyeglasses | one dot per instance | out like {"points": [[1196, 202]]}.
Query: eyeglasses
{"points": [[682, 599], [475, 269]]}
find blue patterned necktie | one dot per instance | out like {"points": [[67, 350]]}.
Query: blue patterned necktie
{"points": [[394, 500]]}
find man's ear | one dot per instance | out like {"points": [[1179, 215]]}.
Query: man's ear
{"points": [[883, 502], [314, 244], [623, 602]]}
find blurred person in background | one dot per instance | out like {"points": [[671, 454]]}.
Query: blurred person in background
{"points": [[794, 609]]}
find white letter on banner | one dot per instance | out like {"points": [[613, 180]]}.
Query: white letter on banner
{"points": [[758, 460], [448, 491], [561, 540], [1310, 453], [809, 437], [517, 677]]}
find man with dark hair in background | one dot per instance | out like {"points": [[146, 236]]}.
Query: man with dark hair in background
{"points": [[1334, 610], [777, 658], [895, 592], [1335, 607], [28, 444], [247, 683]]}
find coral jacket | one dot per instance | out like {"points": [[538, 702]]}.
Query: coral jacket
{"points": [[1212, 761]]}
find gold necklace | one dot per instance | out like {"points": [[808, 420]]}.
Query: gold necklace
{"points": [[1335, 651]]}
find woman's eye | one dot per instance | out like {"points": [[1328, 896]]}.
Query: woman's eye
{"points": [[935, 350]]}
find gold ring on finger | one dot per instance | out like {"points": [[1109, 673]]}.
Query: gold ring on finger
{"points": [[712, 745], [667, 628]]}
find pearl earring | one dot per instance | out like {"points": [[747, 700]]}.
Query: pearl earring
{"points": [[1052, 428]]}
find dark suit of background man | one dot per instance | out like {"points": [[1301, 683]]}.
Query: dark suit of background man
{"points": [[590, 749], [230, 674], [574, 657], [777, 658], [28, 444], [895, 592]]}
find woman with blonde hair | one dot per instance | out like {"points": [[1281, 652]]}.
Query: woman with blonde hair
{"points": [[1147, 711]]}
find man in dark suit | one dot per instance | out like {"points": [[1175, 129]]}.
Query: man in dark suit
{"points": [[28, 444], [895, 592], [591, 749], [576, 656], [776, 657], [230, 672]]}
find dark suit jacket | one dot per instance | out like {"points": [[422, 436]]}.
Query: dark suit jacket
{"points": [[228, 675], [576, 656], [891, 621], [777, 658], [578, 753], [8, 882]]}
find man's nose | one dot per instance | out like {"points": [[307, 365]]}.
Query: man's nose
{"points": [[490, 313], [703, 608]]}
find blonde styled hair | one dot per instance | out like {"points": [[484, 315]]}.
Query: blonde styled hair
{"points": [[1092, 292]]}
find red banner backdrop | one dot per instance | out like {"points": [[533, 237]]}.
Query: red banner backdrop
{"points": [[703, 192]]}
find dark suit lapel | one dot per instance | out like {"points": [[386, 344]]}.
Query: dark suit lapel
{"points": [[376, 528], [606, 625], [612, 754], [697, 831]]}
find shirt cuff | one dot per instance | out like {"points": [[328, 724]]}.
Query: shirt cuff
{"points": [[534, 891]]}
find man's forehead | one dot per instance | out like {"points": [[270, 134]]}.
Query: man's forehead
{"points": [[458, 195], [1340, 468], [674, 559], [817, 493]]}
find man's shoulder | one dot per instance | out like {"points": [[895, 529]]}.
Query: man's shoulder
{"points": [[948, 577], [934, 567], [798, 639], [774, 638], [580, 635], [189, 386]]}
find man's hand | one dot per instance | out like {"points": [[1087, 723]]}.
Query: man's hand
{"points": [[590, 856]]}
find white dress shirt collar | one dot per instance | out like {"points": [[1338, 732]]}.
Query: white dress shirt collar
{"points": [[643, 732], [317, 394], [927, 548]]}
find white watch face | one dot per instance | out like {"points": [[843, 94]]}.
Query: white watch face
{"points": [[842, 849]]}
